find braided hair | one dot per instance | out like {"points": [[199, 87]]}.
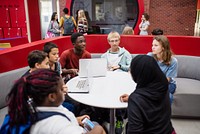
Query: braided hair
{"points": [[31, 91]]}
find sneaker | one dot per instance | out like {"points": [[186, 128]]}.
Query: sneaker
{"points": [[119, 126]]}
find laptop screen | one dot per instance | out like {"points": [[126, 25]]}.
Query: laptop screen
{"points": [[96, 67]]}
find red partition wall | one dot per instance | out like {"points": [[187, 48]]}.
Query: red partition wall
{"points": [[13, 18], [1, 33], [5, 16], [12, 32], [16, 56]]}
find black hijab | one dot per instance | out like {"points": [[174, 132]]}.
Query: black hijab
{"points": [[149, 106], [151, 82]]}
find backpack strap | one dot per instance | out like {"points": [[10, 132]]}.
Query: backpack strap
{"points": [[45, 114]]}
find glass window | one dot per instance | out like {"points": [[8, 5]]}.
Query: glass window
{"points": [[107, 15]]}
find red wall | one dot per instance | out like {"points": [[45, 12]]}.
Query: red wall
{"points": [[13, 18], [16, 57]]}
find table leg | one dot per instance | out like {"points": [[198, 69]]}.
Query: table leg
{"points": [[112, 121]]}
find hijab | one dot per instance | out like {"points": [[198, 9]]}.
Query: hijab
{"points": [[151, 82]]}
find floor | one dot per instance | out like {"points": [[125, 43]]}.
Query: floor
{"points": [[186, 126]]}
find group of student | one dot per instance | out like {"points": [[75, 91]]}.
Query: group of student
{"points": [[148, 109], [68, 24]]}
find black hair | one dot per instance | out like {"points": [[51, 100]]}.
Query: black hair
{"points": [[157, 31], [48, 46], [74, 37], [66, 10], [35, 86], [36, 56]]}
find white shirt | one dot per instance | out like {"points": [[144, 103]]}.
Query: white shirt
{"points": [[57, 124]]}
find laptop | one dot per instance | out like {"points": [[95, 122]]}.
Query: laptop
{"points": [[96, 67], [82, 86]]}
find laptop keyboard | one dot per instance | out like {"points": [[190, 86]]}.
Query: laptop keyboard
{"points": [[81, 84]]}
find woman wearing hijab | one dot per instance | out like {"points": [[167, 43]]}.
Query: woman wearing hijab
{"points": [[149, 108]]}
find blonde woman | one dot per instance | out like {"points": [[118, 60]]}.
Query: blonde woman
{"points": [[82, 22]]}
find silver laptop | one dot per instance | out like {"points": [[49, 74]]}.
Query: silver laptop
{"points": [[96, 67], [82, 86]]}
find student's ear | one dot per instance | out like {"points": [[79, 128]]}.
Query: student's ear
{"points": [[37, 65], [52, 97]]}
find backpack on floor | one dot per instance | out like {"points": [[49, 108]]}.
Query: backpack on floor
{"points": [[68, 25], [25, 128]]}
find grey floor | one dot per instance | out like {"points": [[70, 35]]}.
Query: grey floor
{"points": [[182, 126], [186, 126]]}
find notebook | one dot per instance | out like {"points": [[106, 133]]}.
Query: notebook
{"points": [[82, 86], [96, 67]]}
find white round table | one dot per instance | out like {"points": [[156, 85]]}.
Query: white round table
{"points": [[105, 92]]}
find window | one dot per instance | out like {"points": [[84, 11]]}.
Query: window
{"points": [[108, 14]]}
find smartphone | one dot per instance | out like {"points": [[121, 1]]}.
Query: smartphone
{"points": [[88, 125]]}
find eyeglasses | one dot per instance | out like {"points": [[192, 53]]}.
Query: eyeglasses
{"points": [[112, 41]]}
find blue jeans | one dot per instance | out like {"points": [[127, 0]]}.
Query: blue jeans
{"points": [[172, 89]]}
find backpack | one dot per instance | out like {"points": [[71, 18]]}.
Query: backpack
{"points": [[68, 25], [25, 128]]}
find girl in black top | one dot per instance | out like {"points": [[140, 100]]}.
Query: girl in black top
{"points": [[149, 108]]}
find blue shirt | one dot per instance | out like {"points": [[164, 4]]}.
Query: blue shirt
{"points": [[170, 70]]}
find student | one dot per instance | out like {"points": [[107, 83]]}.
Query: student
{"points": [[167, 62], [128, 31], [67, 22], [54, 25], [37, 59], [144, 25], [157, 31], [118, 58], [82, 22], [149, 108], [43, 91], [53, 54], [69, 58]]}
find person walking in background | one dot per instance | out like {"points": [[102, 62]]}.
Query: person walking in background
{"points": [[149, 110], [117, 58], [128, 31], [157, 31], [82, 23], [43, 92], [67, 23], [163, 54], [144, 25], [53, 28]]}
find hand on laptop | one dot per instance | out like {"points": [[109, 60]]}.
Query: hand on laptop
{"points": [[74, 71]]}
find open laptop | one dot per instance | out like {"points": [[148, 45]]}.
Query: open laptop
{"points": [[82, 86], [96, 67]]}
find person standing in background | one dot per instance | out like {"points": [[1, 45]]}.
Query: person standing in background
{"points": [[67, 23], [54, 25], [144, 25], [82, 22]]}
